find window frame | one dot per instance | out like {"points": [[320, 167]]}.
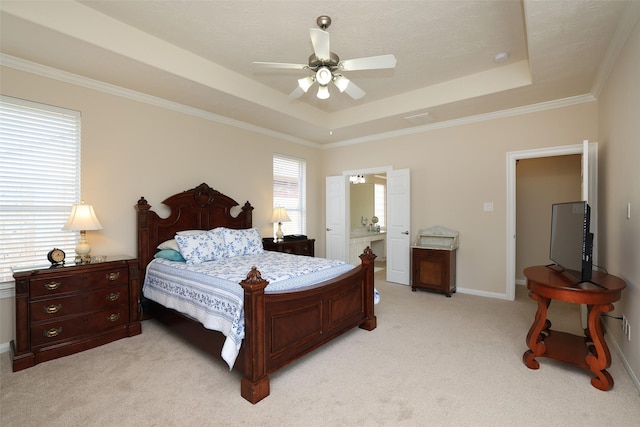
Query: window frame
{"points": [[290, 192]]}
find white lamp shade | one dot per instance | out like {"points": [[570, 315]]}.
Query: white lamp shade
{"points": [[323, 92], [305, 83], [82, 217], [280, 215]]}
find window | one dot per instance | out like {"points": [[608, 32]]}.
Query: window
{"points": [[289, 191], [39, 181]]}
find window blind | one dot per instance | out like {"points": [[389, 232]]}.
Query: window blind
{"points": [[289, 191], [39, 181]]}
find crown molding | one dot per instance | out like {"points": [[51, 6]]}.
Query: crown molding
{"points": [[64, 76], [527, 109]]}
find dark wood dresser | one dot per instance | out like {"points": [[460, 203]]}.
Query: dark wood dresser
{"points": [[296, 247], [68, 309], [433, 270]]}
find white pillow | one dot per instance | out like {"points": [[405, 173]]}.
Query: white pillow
{"points": [[169, 244], [243, 242], [198, 248], [172, 244]]}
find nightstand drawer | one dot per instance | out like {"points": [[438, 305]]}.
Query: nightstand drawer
{"points": [[66, 283], [53, 308], [47, 333]]}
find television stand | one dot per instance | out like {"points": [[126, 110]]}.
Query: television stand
{"points": [[587, 352]]}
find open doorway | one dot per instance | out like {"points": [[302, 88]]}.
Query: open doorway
{"points": [[589, 190], [368, 217]]}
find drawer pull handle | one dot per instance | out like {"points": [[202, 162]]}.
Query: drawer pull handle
{"points": [[114, 296], [50, 309], [53, 332], [113, 276], [52, 286], [113, 317]]}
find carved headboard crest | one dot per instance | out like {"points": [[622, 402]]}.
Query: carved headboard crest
{"points": [[204, 195]]}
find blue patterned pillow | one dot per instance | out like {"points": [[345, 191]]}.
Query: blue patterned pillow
{"points": [[243, 242], [198, 248]]}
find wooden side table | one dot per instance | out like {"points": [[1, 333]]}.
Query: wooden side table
{"points": [[587, 352], [296, 247]]}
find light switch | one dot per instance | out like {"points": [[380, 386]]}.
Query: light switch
{"points": [[488, 206]]}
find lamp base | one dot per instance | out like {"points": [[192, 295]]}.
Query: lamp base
{"points": [[279, 234]]}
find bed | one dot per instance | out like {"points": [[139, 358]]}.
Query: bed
{"points": [[279, 327]]}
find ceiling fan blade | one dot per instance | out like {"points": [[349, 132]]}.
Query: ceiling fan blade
{"points": [[368, 63], [346, 85], [281, 65], [320, 41], [297, 93]]}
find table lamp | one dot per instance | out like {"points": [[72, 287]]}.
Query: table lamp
{"points": [[82, 218], [279, 216]]}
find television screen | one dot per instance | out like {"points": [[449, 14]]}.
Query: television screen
{"points": [[571, 241]]}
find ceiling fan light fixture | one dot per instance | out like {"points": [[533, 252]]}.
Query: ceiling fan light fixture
{"points": [[323, 92], [305, 83], [324, 76], [341, 82]]}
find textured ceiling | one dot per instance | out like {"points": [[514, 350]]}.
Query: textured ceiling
{"points": [[200, 53]]}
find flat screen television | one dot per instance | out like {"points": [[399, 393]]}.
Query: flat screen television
{"points": [[571, 242]]}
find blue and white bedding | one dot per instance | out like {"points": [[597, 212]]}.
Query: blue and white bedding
{"points": [[210, 292]]}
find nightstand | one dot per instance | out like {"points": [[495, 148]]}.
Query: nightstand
{"points": [[296, 247], [68, 309]]}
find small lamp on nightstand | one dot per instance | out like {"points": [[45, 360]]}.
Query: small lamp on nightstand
{"points": [[82, 218], [279, 216]]}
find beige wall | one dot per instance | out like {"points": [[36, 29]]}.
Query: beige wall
{"points": [[540, 182], [132, 149], [455, 170], [619, 247]]}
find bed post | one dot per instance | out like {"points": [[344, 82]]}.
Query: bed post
{"points": [[142, 210], [367, 258], [254, 385]]}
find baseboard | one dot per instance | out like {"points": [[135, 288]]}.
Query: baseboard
{"points": [[611, 340], [4, 347]]}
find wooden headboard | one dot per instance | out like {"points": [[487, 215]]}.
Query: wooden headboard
{"points": [[201, 208]]}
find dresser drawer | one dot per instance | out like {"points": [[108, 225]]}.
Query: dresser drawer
{"points": [[47, 333], [74, 304], [65, 283]]}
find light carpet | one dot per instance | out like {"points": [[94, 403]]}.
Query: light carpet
{"points": [[432, 361]]}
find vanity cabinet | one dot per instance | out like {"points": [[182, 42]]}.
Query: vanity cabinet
{"points": [[433, 270]]}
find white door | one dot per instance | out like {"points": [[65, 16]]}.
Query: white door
{"points": [[336, 218], [398, 226]]}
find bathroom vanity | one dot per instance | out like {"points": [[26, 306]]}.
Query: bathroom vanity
{"points": [[360, 239]]}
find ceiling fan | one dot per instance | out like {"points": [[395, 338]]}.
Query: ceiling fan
{"points": [[327, 67]]}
